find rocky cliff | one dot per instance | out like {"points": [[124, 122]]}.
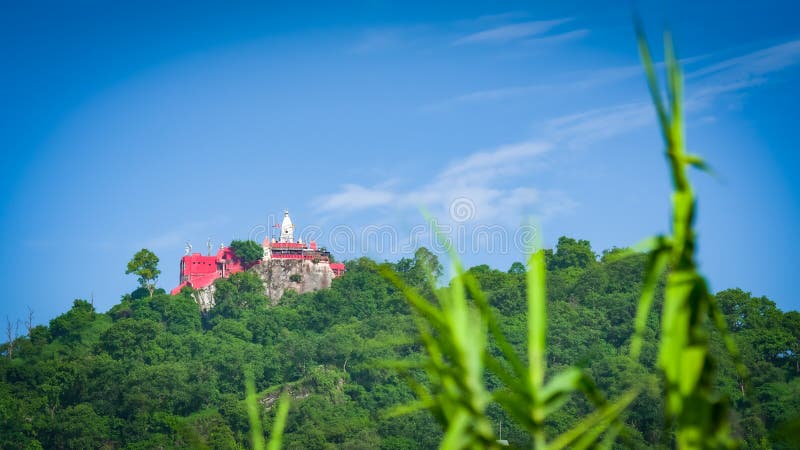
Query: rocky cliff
{"points": [[280, 275]]}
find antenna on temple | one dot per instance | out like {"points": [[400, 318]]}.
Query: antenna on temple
{"points": [[208, 245]]}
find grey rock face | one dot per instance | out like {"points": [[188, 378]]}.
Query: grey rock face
{"points": [[280, 275], [204, 297]]}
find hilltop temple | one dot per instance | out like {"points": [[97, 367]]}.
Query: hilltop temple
{"points": [[286, 264]]}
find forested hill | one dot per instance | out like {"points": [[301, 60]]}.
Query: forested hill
{"points": [[154, 373]]}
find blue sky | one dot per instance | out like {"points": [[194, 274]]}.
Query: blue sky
{"points": [[145, 125]]}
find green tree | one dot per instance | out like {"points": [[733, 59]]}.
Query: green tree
{"points": [[70, 325], [517, 268], [791, 323], [145, 265], [241, 291], [150, 374], [131, 339], [247, 251], [427, 260], [571, 253], [80, 427], [417, 271]]}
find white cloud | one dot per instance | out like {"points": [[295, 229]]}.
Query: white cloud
{"points": [[506, 33], [502, 160], [704, 86], [753, 65], [490, 180], [483, 181], [559, 38], [381, 39], [494, 18], [485, 96], [741, 72], [497, 94], [354, 197], [571, 81], [598, 124], [584, 79]]}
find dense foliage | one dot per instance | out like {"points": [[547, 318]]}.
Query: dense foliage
{"points": [[153, 372], [247, 251]]}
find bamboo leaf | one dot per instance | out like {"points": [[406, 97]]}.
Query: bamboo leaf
{"points": [[256, 432], [537, 319], [494, 327], [417, 301], [559, 388], [656, 263], [455, 436], [409, 408], [650, 75], [586, 432], [276, 437]]}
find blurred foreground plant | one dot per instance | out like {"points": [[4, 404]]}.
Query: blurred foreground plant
{"points": [[455, 331], [456, 327], [256, 431], [700, 414]]}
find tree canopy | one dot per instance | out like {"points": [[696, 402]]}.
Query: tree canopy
{"points": [[248, 251], [154, 372], [144, 264]]}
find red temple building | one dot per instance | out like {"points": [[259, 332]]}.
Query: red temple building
{"points": [[198, 271]]}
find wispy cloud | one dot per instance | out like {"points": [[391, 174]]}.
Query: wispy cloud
{"points": [[500, 161], [754, 64], [495, 18], [705, 86], [386, 38], [484, 179], [498, 94], [354, 197], [492, 179], [486, 96], [598, 124], [569, 82], [741, 72], [494, 29], [558, 38], [511, 32]]}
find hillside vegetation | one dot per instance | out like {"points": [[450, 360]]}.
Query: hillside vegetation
{"points": [[153, 372]]}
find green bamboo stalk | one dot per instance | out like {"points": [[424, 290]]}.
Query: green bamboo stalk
{"points": [[537, 331], [256, 432], [700, 416], [276, 437]]}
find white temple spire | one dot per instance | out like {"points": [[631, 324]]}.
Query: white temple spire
{"points": [[287, 228]]}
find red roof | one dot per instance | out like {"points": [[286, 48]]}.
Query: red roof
{"points": [[198, 271], [287, 245]]}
